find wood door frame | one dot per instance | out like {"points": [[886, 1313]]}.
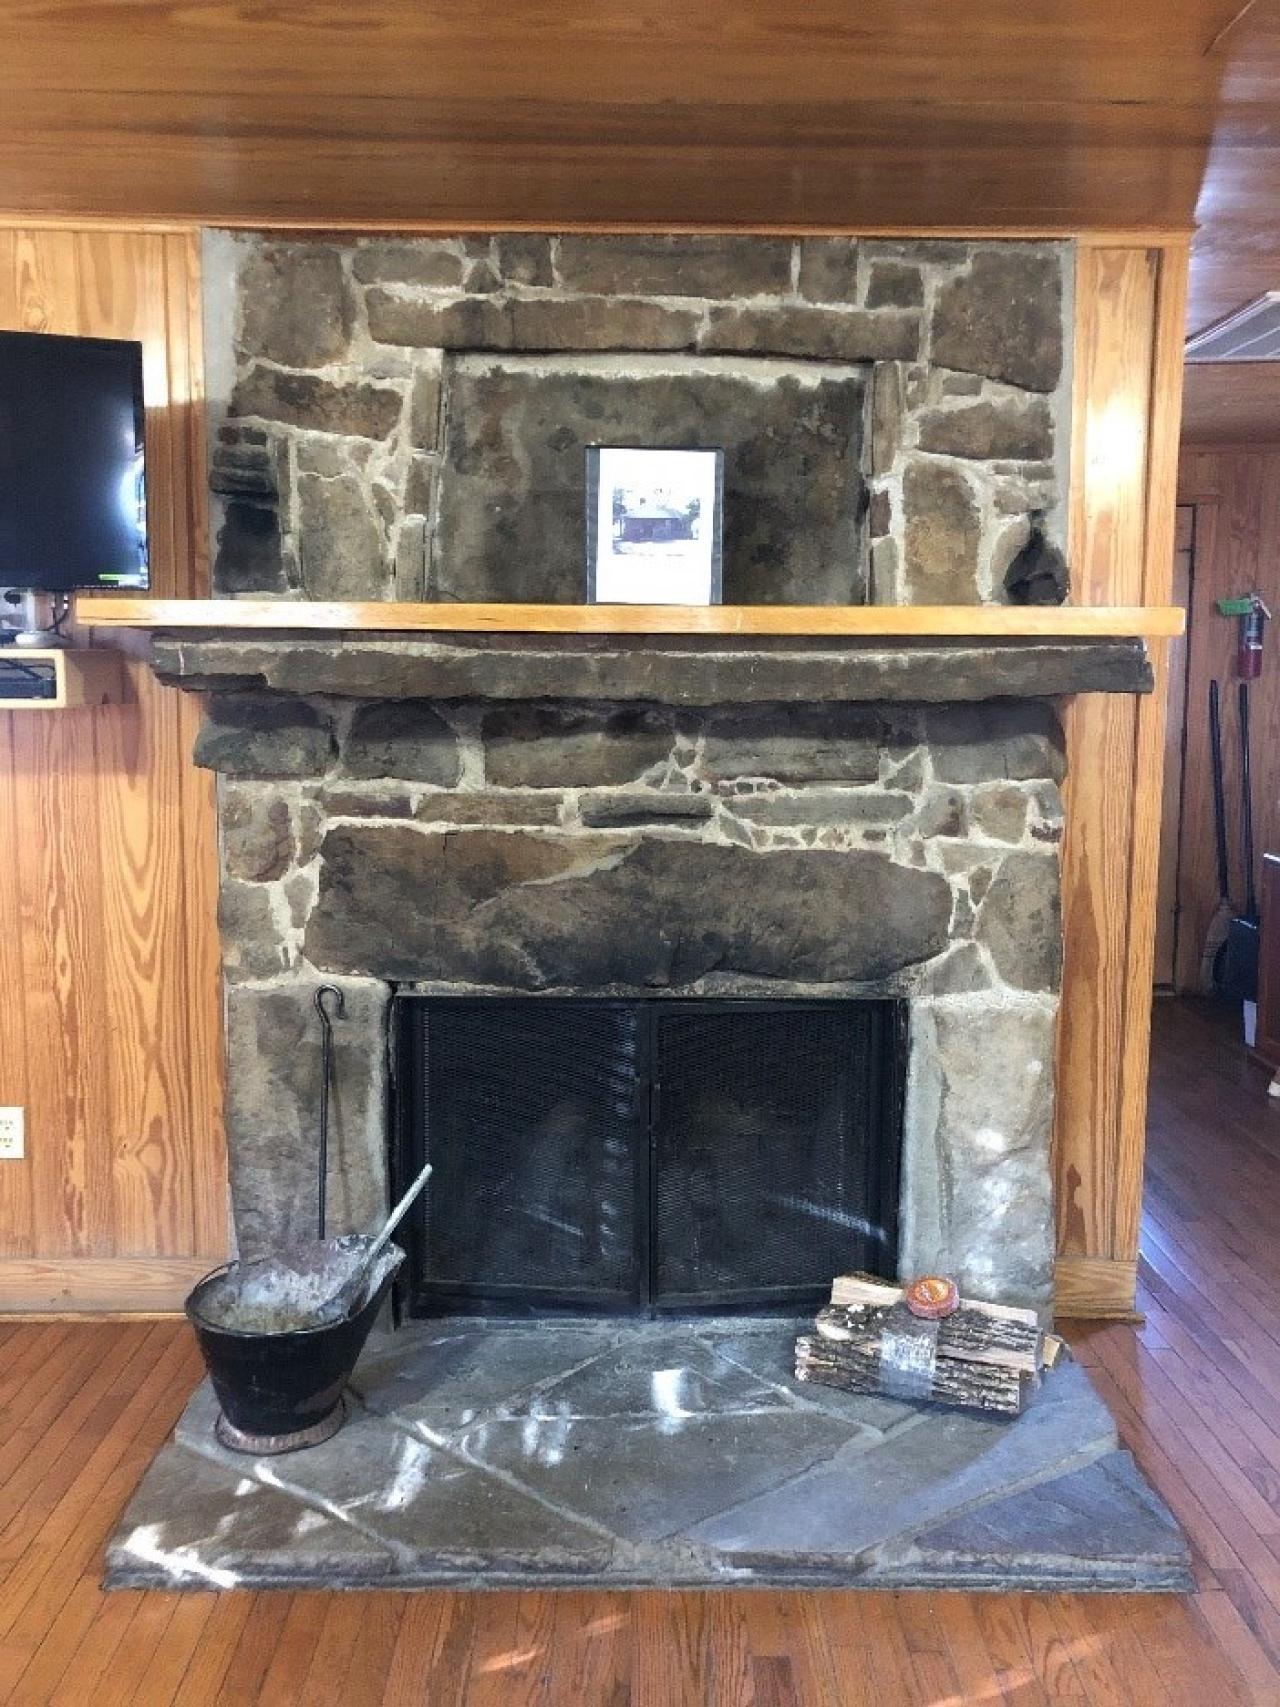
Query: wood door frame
{"points": [[1203, 521]]}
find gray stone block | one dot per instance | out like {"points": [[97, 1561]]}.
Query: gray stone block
{"points": [[244, 466], [404, 739], [1014, 740], [424, 408], [995, 1114], [529, 323], [894, 284], [650, 1492], [424, 1503], [524, 257], [999, 812], [489, 807], [531, 912], [838, 808], [356, 802], [821, 334], [258, 735], [440, 1377], [888, 415], [661, 264], [341, 542], [436, 263], [989, 430], [358, 409], [249, 558], [795, 744], [961, 970], [254, 938], [828, 269], [198, 1524], [942, 812], [941, 535], [273, 1110], [295, 305], [256, 826], [1021, 921], [512, 522], [674, 674], [643, 806], [543, 746], [1003, 318], [1104, 1520], [859, 1503]]}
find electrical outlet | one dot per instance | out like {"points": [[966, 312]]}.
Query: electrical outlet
{"points": [[12, 1134]]}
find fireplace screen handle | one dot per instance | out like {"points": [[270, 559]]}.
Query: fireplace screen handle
{"points": [[324, 994]]}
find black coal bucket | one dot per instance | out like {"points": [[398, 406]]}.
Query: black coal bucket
{"points": [[282, 1391]]}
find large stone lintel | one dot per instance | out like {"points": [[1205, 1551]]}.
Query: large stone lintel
{"points": [[682, 672]]}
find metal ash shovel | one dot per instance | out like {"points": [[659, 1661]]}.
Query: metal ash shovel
{"points": [[281, 1335]]}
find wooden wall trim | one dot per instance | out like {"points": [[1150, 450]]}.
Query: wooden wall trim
{"points": [[1158, 235], [1097, 1288], [104, 1286], [1129, 305], [890, 622]]}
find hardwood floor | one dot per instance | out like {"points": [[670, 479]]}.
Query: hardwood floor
{"points": [[1196, 1390]]}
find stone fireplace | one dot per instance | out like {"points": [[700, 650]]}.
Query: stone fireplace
{"points": [[701, 967], [897, 850], [481, 818]]}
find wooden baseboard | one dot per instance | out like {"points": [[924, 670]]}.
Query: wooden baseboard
{"points": [[99, 1286], [1096, 1288], [1084, 1287]]}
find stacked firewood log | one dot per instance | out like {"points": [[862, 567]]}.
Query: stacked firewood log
{"points": [[877, 1338]]}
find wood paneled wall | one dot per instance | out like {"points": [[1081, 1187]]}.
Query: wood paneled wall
{"points": [[109, 1014], [1236, 493], [110, 1028], [1130, 303]]}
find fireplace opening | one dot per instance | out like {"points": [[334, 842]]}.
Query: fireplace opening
{"points": [[655, 1156]]}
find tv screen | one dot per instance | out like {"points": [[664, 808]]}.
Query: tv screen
{"points": [[73, 508]]}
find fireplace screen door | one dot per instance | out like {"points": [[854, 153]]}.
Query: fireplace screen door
{"points": [[657, 1155]]}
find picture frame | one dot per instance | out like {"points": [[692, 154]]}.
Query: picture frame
{"points": [[655, 522]]}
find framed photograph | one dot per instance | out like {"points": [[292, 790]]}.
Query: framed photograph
{"points": [[654, 525]]}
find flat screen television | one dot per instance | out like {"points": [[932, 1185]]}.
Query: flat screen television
{"points": [[73, 505]]}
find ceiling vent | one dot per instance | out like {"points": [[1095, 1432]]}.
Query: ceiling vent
{"points": [[1251, 334]]}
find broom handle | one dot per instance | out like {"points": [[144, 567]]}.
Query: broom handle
{"points": [[1246, 807], [1219, 798]]}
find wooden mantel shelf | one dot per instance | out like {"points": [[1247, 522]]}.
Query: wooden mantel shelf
{"points": [[968, 622]]}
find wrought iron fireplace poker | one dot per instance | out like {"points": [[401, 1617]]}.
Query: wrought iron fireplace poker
{"points": [[326, 1079]]}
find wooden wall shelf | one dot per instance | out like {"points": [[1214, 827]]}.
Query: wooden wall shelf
{"points": [[965, 622], [82, 676]]}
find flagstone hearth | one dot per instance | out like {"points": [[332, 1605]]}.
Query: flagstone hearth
{"points": [[649, 1454]]}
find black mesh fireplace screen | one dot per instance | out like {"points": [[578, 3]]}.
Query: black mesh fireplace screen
{"points": [[658, 1155]]}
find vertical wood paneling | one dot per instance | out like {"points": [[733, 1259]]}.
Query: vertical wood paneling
{"points": [[1236, 491], [1129, 304], [113, 1010]]}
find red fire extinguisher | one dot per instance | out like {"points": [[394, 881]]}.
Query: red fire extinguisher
{"points": [[1253, 614]]}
